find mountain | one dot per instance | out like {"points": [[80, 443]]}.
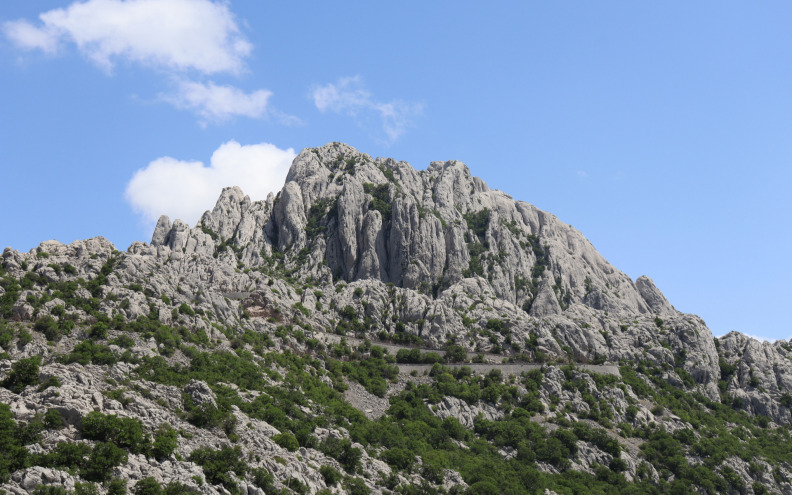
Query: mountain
{"points": [[373, 328]]}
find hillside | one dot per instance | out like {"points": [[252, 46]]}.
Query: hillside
{"points": [[373, 328]]}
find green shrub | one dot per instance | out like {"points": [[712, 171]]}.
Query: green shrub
{"points": [[209, 416], [399, 458], [455, 354], [483, 487], [49, 327], [147, 486], [296, 486], [30, 432], [348, 312], [305, 311], [124, 432], [495, 324], [150, 486], [343, 452], [617, 465], [6, 335], [85, 489], [104, 457], [50, 490], [23, 373], [330, 475], [51, 381], [89, 352], [116, 486], [553, 451], [372, 372], [24, 338], [98, 331], [217, 464], [65, 455], [287, 441], [124, 341], [381, 200], [185, 309], [408, 356], [53, 419], [176, 488], [356, 486], [478, 222], [7, 300], [167, 339], [13, 455], [598, 437], [263, 479], [165, 442]]}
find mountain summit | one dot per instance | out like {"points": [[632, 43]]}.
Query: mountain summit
{"points": [[374, 328]]}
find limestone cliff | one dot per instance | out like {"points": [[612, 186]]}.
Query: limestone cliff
{"points": [[361, 260]]}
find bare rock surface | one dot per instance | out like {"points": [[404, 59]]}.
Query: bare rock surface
{"points": [[367, 258]]}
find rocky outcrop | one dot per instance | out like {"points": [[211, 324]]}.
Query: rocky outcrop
{"points": [[374, 248], [464, 412], [758, 375], [200, 393], [422, 230], [653, 297], [436, 249]]}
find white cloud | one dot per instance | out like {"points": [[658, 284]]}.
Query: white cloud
{"points": [[30, 37], [185, 189], [173, 34], [345, 96], [219, 103], [348, 96]]}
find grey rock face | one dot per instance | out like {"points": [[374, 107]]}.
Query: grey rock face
{"points": [[161, 231], [373, 246], [761, 376], [290, 217], [344, 216], [200, 393], [227, 213], [466, 414], [457, 254], [385, 221], [653, 297]]}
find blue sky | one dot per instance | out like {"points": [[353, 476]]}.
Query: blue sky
{"points": [[662, 131]]}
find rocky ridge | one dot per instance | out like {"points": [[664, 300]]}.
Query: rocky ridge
{"points": [[369, 247]]}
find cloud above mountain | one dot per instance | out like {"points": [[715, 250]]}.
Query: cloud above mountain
{"points": [[218, 103], [171, 34], [348, 96], [185, 189], [184, 39]]}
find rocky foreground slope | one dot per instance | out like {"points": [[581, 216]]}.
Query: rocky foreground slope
{"points": [[323, 340]]}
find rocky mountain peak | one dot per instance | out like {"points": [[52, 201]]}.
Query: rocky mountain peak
{"points": [[224, 349], [364, 218], [439, 235]]}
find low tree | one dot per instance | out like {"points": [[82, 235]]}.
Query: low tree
{"points": [[23, 373]]}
